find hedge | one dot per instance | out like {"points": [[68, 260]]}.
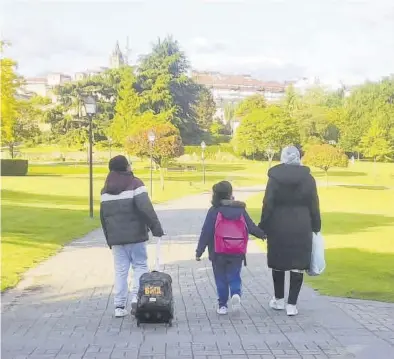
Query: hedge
{"points": [[14, 167], [210, 151]]}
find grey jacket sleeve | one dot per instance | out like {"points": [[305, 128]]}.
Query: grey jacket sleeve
{"points": [[145, 207]]}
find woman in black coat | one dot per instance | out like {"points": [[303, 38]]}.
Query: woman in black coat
{"points": [[289, 217]]}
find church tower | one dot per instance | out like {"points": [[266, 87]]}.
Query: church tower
{"points": [[116, 59]]}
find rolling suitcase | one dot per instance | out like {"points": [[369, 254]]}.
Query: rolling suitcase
{"points": [[155, 300]]}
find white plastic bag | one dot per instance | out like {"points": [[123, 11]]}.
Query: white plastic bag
{"points": [[318, 262]]}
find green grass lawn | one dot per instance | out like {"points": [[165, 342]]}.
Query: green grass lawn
{"points": [[358, 226], [49, 207]]}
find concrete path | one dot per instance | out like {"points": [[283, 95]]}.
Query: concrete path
{"points": [[63, 309]]}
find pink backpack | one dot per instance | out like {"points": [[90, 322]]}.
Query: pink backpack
{"points": [[231, 235]]}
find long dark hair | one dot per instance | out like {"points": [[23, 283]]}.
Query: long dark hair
{"points": [[221, 191]]}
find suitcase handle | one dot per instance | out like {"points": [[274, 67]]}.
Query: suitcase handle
{"points": [[158, 255]]}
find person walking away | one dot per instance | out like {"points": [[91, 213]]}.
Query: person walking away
{"points": [[290, 214], [225, 233], [127, 214]]}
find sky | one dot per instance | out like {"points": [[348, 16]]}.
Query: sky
{"points": [[345, 41]]}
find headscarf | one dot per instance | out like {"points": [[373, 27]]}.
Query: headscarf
{"points": [[290, 156]]}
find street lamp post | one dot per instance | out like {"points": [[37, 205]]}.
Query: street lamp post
{"points": [[90, 108], [151, 138], [203, 147]]}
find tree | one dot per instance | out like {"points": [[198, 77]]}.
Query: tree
{"points": [[249, 104], [291, 101], [25, 126], [18, 117], [229, 112], [69, 115], [127, 107], [167, 145], [376, 142], [366, 103], [315, 124], [9, 104], [325, 157], [269, 128], [217, 128], [165, 87], [205, 108]]}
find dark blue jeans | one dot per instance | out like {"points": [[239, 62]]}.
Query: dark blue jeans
{"points": [[227, 272]]}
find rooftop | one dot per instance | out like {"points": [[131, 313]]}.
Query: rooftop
{"points": [[242, 82]]}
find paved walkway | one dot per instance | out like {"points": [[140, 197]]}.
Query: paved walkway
{"points": [[63, 309]]}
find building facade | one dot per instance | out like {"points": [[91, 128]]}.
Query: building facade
{"points": [[234, 88]]}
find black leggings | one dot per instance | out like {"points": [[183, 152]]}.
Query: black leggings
{"points": [[296, 280]]}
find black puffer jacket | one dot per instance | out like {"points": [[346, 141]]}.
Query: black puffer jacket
{"points": [[290, 214], [126, 211]]}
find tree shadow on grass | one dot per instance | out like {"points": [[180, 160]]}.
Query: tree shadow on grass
{"points": [[366, 187], [346, 223], [23, 197], [343, 222], [340, 174], [29, 226], [197, 177]]}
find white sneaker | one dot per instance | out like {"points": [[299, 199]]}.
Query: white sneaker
{"points": [[291, 310], [120, 312], [222, 311], [277, 304], [235, 302]]}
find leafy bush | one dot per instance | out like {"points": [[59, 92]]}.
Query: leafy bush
{"points": [[14, 167], [211, 152], [325, 157]]}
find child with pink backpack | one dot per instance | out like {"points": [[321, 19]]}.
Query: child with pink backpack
{"points": [[226, 233]]}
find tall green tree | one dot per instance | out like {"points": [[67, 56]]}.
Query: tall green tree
{"points": [[165, 87], [376, 142], [229, 112], [128, 107], [365, 104], [205, 108], [68, 115], [269, 128], [292, 101], [19, 118], [10, 82]]}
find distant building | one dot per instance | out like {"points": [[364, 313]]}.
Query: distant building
{"points": [[57, 79], [43, 86], [117, 58], [234, 88], [36, 85]]}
